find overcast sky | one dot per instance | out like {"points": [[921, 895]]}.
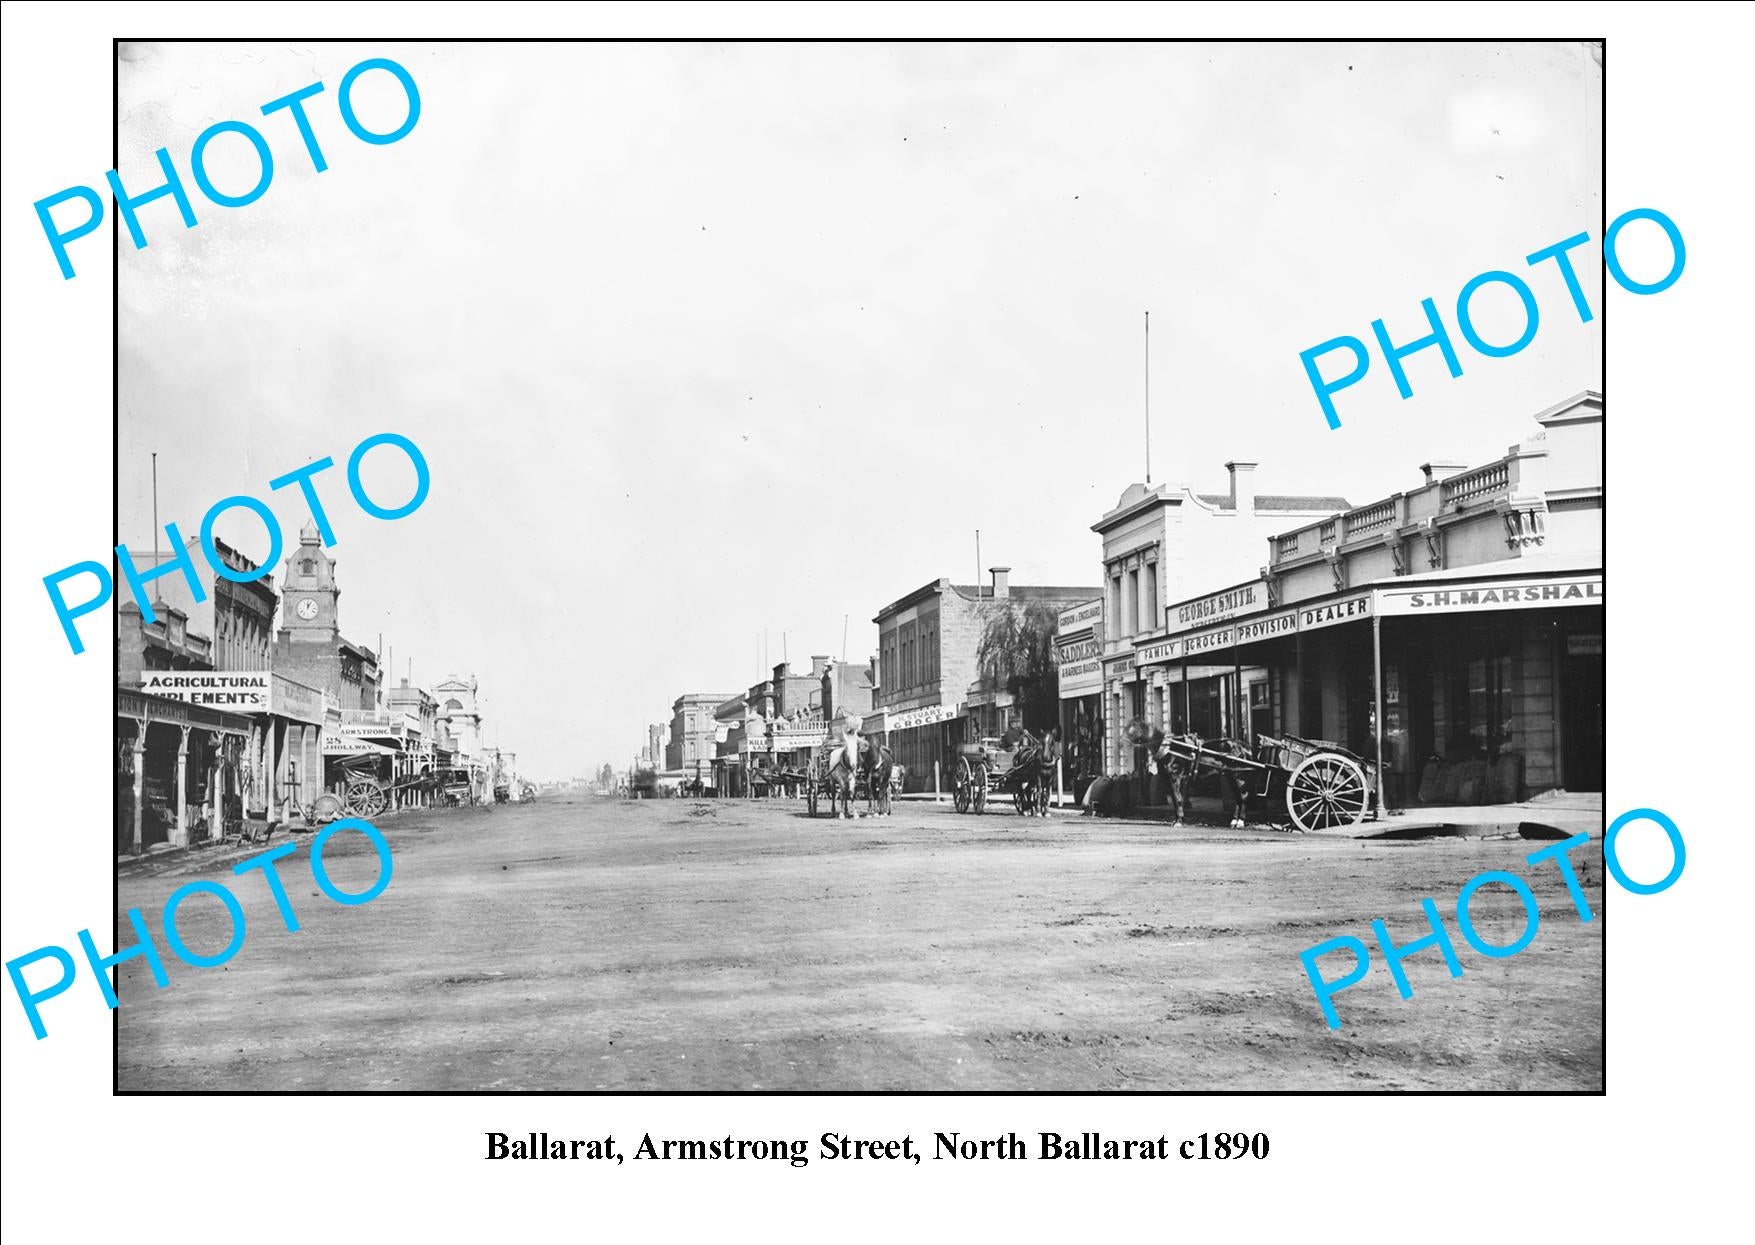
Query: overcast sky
{"points": [[702, 340]]}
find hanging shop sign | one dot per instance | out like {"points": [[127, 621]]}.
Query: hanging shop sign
{"points": [[1515, 594], [238, 691]]}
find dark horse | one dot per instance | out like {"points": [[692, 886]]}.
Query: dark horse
{"points": [[1180, 770], [1032, 773], [878, 766]]}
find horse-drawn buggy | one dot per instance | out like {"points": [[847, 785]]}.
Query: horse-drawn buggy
{"points": [[367, 793], [853, 767], [988, 768], [1320, 785]]}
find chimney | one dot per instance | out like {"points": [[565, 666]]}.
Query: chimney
{"points": [[1242, 486], [817, 666], [1002, 581]]}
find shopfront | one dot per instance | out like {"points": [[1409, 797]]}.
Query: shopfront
{"points": [[1078, 655], [1493, 686], [1474, 686], [179, 769], [921, 739]]}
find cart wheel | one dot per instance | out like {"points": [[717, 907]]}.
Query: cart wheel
{"points": [[1021, 801], [962, 786], [1326, 791], [980, 788], [366, 798]]}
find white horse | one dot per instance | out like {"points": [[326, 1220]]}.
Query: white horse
{"points": [[843, 768]]}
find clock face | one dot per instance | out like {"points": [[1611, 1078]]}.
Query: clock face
{"points": [[308, 608]]}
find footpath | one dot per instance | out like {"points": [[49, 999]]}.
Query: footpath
{"points": [[1554, 814]]}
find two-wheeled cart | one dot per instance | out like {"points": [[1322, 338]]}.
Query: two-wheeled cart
{"points": [[1322, 785]]}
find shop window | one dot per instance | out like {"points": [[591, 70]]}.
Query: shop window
{"points": [[1261, 709]]}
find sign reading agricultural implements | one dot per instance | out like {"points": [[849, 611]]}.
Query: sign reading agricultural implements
{"points": [[243, 692]]}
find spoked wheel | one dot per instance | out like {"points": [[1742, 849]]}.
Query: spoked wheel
{"points": [[1023, 798], [366, 798], [964, 786], [980, 788], [1325, 792]]}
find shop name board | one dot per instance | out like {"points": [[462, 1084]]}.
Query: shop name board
{"points": [[1163, 650], [1206, 641], [1079, 617], [1080, 676], [928, 716], [246, 692], [1078, 650], [1512, 594], [1267, 628], [1221, 606], [295, 700], [1333, 612], [344, 746], [787, 741]]}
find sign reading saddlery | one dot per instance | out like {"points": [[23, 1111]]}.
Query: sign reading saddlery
{"points": [[1525, 594]]}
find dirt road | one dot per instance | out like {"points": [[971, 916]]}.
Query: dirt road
{"points": [[590, 944]]}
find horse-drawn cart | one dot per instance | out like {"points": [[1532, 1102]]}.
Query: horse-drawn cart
{"points": [[987, 768], [824, 780], [1322, 785]]}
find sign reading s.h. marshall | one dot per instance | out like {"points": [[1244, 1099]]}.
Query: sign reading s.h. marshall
{"points": [[246, 692], [1516, 594]]}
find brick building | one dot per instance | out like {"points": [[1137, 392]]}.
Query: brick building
{"points": [[309, 647], [926, 666], [1455, 630], [694, 735]]}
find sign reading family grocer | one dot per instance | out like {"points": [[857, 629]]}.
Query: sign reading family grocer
{"points": [[1561, 255], [180, 560], [128, 203]]}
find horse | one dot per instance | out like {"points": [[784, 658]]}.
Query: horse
{"points": [[843, 769], [879, 768], [1182, 769], [1032, 775]]}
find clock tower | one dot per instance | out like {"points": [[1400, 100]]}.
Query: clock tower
{"points": [[308, 594]]}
